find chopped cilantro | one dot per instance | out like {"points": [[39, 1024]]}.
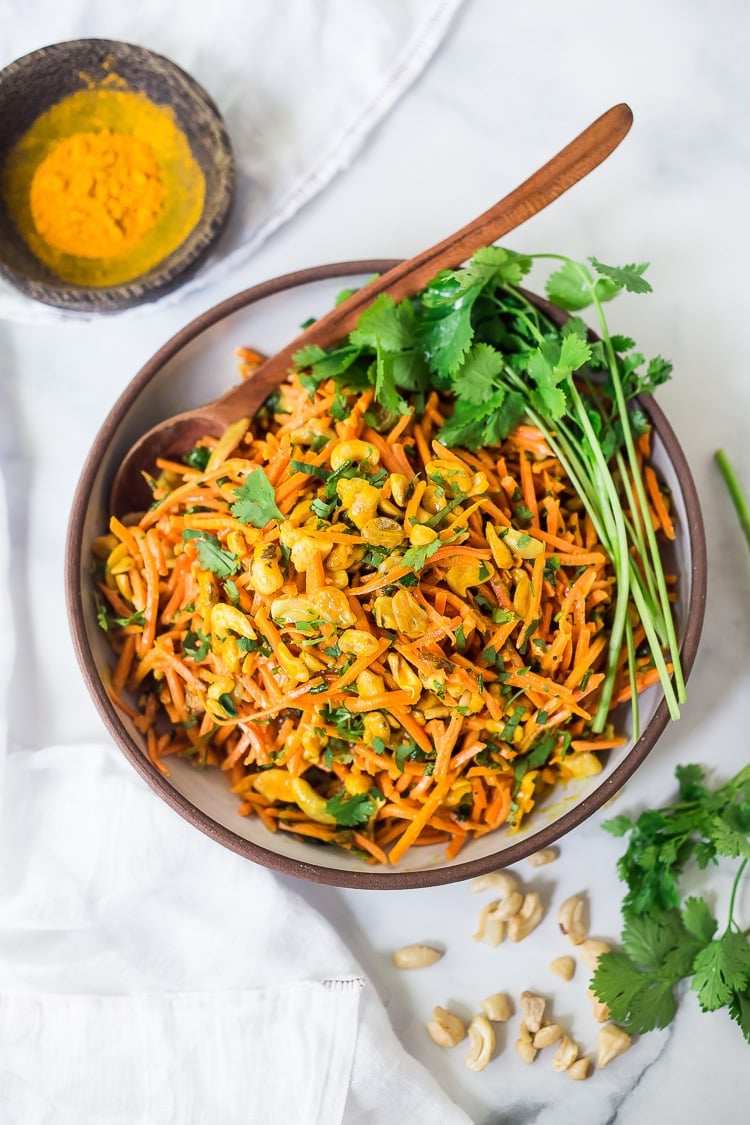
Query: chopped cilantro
{"points": [[255, 501], [197, 458], [196, 644], [416, 557], [351, 811], [211, 555]]}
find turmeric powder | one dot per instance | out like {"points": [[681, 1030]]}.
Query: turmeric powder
{"points": [[96, 194], [103, 186]]}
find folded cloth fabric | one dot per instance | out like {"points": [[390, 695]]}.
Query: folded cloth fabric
{"points": [[300, 86], [149, 977]]}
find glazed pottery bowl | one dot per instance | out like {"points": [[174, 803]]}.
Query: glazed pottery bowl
{"points": [[196, 366]]}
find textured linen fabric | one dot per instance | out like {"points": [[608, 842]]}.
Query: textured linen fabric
{"points": [[150, 977]]}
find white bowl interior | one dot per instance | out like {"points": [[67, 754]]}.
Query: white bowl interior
{"points": [[200, 371]]}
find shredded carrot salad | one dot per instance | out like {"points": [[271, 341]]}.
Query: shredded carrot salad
{"points": [[382, 642]]}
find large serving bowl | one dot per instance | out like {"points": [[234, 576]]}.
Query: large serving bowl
{"points": [[196, 366]]}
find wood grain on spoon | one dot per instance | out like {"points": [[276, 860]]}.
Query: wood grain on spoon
{"points": [[179, 434]]}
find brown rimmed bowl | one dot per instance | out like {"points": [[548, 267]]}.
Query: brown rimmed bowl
{"points": [[195, 366], [34, 83]]}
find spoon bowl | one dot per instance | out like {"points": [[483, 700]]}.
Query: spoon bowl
{"points": [[176, 435]]}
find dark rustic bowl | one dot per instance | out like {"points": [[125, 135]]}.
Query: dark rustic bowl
{"points": [[34, 83], [194, 367]]}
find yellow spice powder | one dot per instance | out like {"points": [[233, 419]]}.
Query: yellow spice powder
{"points": [[103, 186], [96, 194]]}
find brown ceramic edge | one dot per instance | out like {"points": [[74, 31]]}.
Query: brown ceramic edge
{"points": [[164, 277], [283, 864]]}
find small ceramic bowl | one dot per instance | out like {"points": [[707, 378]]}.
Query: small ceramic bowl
{"points": [[33, 84], [194, 367]]}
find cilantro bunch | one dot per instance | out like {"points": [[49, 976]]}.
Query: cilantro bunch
{"points": [[474, 334], [665, 940]]}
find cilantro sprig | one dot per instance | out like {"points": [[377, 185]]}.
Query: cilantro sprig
{"points": [[350, 812], [255, 501], [666, 940], [211, 555]]}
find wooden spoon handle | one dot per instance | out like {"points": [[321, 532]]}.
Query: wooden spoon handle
{"points": [[570, 165]]}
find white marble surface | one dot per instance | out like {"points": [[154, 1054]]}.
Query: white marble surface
{"points": [[509, 86]]}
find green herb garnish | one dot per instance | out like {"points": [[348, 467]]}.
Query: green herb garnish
{"points": [[256, 500]]}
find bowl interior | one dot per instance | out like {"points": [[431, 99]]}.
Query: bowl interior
{"points": [[33, 84], [196, 366]]}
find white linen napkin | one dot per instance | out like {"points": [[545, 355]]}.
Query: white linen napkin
{"points": [[148, 976], [300, 86]]}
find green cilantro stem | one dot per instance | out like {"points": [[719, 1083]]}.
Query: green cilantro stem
{"points": [[656, 564], [740, 504], [735, 887]]}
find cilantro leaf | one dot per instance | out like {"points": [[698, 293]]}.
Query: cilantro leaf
{"points": [[416, 557], [196, 644], [503, 419], [308, 356], [739, 1010], [618, 825], [493, 265], [698, 919], [720, 969], [475, 382], [256, 500], [550, 367], [384, 325], [570, 287], [648, 940], [350, 811], [624, 277], [690, 779], [211, 555], [445, 332], [198, 457], [638, 1000]]}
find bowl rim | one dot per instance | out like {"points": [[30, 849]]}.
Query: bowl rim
{"points": [[163, 277], [366, 880]]}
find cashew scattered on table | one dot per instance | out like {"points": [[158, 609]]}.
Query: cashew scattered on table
{"points": [[532, 1011], [481, 1043], [509, 906], [591, 950], [546, 855], [572, 919], [563, 967], [446, 1028], [490, 928], [548, 1035], [502, 883], [612, 1042], [497, 1007], [528, 917], [416, 957], [526, 1051], [565, 1055], [600, 1009], [581, 1069]]}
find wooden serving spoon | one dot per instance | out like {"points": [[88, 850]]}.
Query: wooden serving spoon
{"points": [[175, 436]]}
